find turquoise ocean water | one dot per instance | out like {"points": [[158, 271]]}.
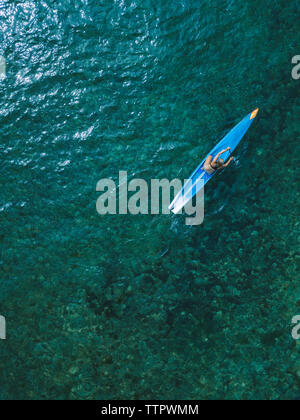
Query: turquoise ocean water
{"points": [[144, 306]]}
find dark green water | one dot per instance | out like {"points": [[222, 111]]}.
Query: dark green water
{"points": [[143, 306]]}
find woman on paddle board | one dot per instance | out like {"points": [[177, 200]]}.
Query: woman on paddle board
{"points": [[211, 165]]}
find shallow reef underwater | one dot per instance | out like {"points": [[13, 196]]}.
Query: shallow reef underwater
{"points": [[145, 307]]}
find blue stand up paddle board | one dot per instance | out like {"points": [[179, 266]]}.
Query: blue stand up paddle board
{"points": [[193, 185]]}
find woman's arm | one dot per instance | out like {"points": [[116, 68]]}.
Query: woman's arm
{"points": [[219, 154], [227, 163]]}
